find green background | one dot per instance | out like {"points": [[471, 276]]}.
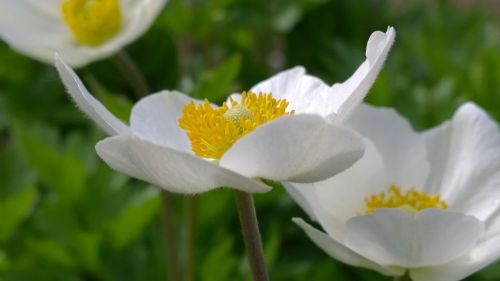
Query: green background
{"points": [[64, 215]]}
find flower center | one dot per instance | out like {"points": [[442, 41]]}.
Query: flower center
{"points": [[92, 22], [236, 114], [411, 201], [212, 131]]}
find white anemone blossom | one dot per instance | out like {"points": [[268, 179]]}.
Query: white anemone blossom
{"points": [[284, 128], [426, 204], [81, 31]]}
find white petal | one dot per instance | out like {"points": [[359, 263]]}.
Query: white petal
{"points": [[41, 21], [345, 97], [304, 194], [343, 196], [36, 15], [465, 159], [312, 97], [402, 149], [308, 94], [300, 148], [43, 32], [173, 170], [481, 256], [87, 103], [156, 118], [305, 93], [342, 253], [394, 237], [234, 96], [42, 26], [283, 85], [50, 8]]}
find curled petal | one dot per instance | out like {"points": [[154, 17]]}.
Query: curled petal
{"points": [[87, 103], [348, 95], [308, 94]]}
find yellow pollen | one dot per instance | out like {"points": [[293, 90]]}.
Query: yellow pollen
{"points": [[212, 131], [411, 201], [237, 113], [92, 22]]}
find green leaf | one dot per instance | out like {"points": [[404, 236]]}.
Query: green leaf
{"points": [[86, 245], [51, 251], [81, 144], [62, 172], [220, 262], [287, 18], [13, 209], [214, 85], [14, 173], [4, 262], [55, 219], [125, 228], [177, 17]]}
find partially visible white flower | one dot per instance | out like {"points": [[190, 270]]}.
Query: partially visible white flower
{"points": [[308, 94], [281, 130], [427, 203], [81, 31]]}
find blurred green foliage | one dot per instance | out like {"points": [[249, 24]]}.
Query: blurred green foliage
{"points": [[64, 215]]}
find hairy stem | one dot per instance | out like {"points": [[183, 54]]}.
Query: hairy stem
{"points": [[251, 235]]}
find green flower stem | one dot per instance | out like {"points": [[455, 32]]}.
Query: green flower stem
{"points": [[169, 232], [190, 271], [251, 235], [132, 73]]}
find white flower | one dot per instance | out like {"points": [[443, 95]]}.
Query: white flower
{"points": [[424, 202], [81, 31], [190, 146]]}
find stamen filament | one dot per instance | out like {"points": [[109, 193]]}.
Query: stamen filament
{"points": [[213, 130], [411, 201]]}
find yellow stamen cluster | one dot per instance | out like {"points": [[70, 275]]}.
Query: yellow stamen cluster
{"points": [[411, 201], [92, 22], [212, 131]]}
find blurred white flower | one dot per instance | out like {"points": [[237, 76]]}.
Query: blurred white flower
{"points": [[288, 131], [427, 203], [80, 31]]}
